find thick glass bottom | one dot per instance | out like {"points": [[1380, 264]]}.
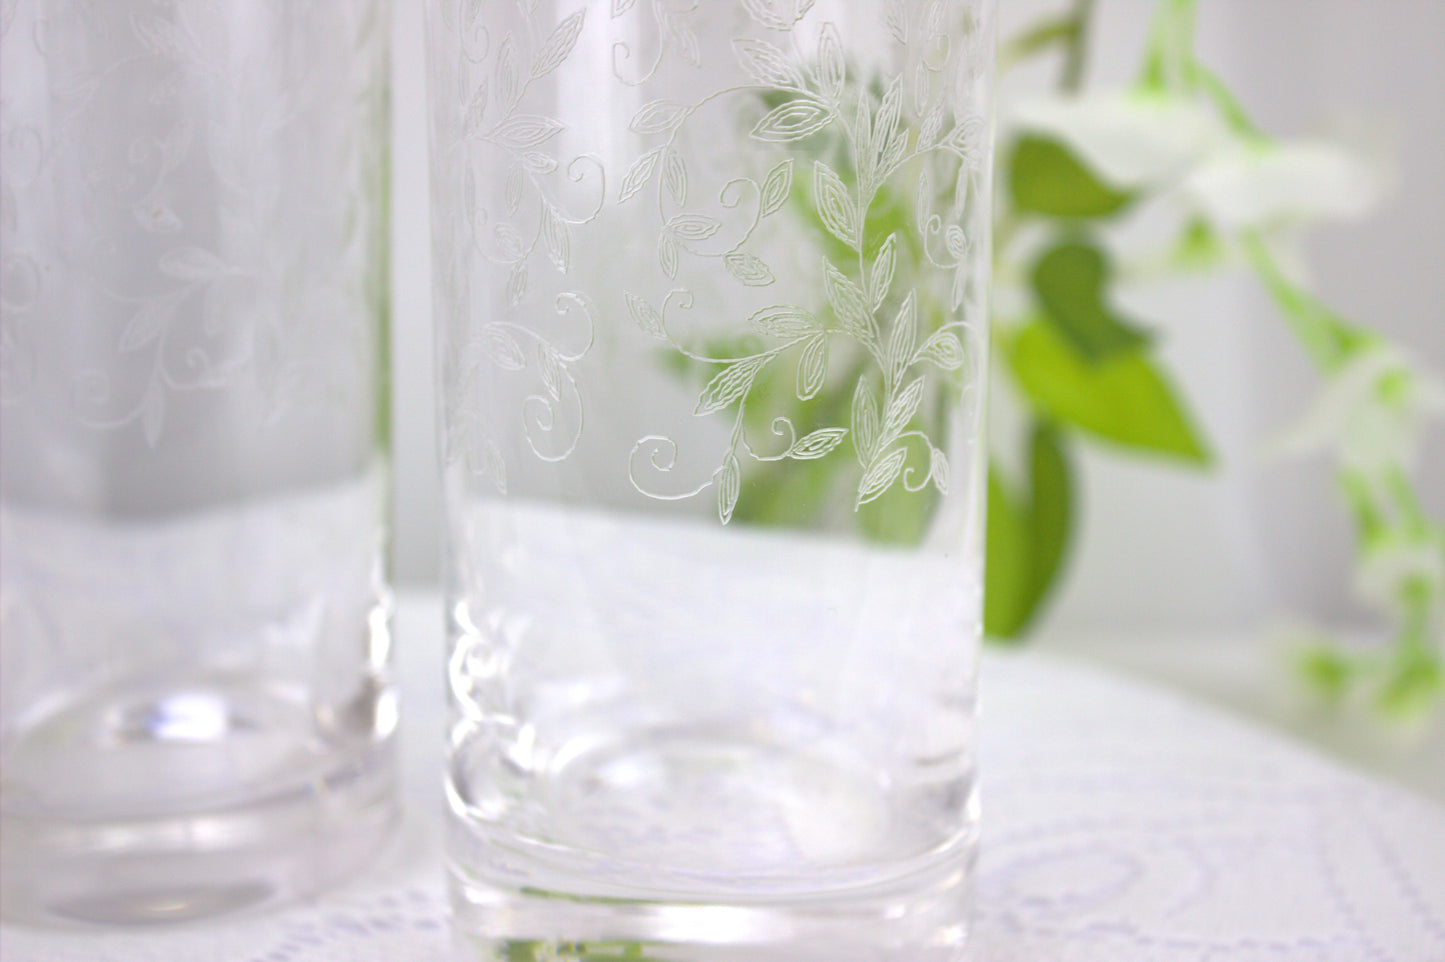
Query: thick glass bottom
{"points": [[184, 802], [923, 918], [691, 846]]}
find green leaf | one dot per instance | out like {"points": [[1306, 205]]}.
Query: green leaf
{"points": [[1070, 281], [1123, 398], [1046, 178], [1052, 509], [1027, 538], [1008, 576]]}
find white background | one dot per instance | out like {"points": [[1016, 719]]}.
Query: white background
{"points": [[1251, 541]]}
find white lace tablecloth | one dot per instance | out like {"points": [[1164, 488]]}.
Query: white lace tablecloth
{"points": [[1122, 823]]}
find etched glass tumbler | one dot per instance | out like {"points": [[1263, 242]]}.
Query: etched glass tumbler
{"points": [[711, 285], [195, 712]]}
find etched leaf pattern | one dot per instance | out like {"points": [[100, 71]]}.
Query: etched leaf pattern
{"points": [[837, 210], [887, 319], [538, 227], [558, 45], [777, 186], [193, 293], [793, 120]]}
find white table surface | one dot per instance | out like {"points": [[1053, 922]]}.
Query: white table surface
{"points": [[1121, 822]]}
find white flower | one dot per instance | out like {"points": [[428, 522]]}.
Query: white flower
{"points": [[1265, 185], [1372, 412], [1153, 140], [1128, 138]]}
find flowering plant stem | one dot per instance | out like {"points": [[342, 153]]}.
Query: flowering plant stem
{"points": [[1068, 348]]}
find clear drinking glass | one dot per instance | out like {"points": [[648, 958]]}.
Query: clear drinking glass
{"points": [[711, 288], [195, 713]]}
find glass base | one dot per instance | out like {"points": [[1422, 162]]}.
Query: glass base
{"points": [[924, 921], [689, 846], [180, 803]]}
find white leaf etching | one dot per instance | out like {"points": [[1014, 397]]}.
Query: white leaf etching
{"points": [[475, 117], [549, 368], [767, 65], [693, 227], [835, 207], [503, 348], [881, 278], [517, 283], [793, 120], [488, 463], [812, 367], [674, 177], [645, 316], [848, 305], [686, 42], [938, 469], [191, 264], [830, 68], [863, 135], [785, 321], [945, 349], [639, 173], [509, 242], [899, 352], [729, 483], [864, 421], [771, 13], [558, 45], [922, 197], [667, 254], [880, 475], [619, 7], [933, 22], [659, 117], [931, 127], [920, 88], [776, 187], [956, 241], [730, 384], [524, 132], [896, 17], [537, 163], [556, 238], [748, 269], [902, 408], [512, 189], [889, 138], [966, 140], [508, 82], [817, 443]]}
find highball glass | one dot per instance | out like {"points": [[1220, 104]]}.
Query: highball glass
{"points": [[195, 710], [711, 284]]}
